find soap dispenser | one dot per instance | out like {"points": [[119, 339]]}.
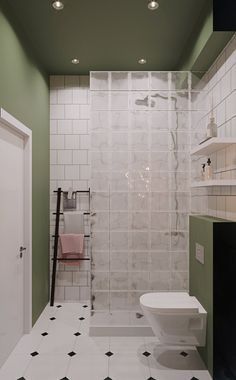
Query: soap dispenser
{"points": [[208, 170], [211, 126]]}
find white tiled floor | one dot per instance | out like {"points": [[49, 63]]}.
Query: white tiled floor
{"points": [[90, 362]]}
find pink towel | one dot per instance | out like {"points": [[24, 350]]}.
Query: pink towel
{"points": [[71, 245]]}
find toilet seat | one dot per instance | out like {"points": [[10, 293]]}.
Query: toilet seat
{"points": [[170, 302]]}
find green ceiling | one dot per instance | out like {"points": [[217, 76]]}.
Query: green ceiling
{"points": [[108, 34]]}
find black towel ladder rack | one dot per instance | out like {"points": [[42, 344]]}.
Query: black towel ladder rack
{"points": [[55, 259]]}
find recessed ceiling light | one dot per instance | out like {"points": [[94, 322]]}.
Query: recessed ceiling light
{"points": [[58, 5], [75, 61], [142, 61], [152, 5]]}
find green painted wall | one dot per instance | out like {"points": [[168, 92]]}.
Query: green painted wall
{"points": [[24, 93], [201, 277], [201, 280], [204, 45]]}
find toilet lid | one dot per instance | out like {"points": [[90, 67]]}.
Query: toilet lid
{"points": [[170, 302]]}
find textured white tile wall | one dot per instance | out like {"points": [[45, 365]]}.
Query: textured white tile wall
{"points": [[140, 171], [217, 94], [70, 167], [129, 229]]}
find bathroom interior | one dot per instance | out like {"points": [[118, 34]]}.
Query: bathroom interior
{"points": [[118, 191]]}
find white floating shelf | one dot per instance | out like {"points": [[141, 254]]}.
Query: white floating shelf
{"points": [[214, 182], [212, 145]]}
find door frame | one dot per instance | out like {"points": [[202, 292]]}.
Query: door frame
{"points": [[15, 125]]}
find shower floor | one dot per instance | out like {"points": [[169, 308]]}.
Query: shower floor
{"points": [[59, 348], [119, 323]]}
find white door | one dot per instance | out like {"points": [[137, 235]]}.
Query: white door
{"points": [[11, 239]]}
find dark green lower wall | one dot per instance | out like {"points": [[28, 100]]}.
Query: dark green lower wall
{"points": [[201, 277], [213, 284], [24, 93]]}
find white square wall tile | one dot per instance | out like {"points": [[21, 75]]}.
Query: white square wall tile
{"points": [[53, 97], [60, 293], [64, 278], [72, 293], [64, 184], [64, 157], [57, 142], [53, 157], [57, 172], [80, 127], [80, 185], [72, 141], [84, 293], [225, 85], [80, 278], [57, 112], [64, 96], [80, 156], [53, 127], [233, 127], [72, 172], [80, 96], [64, 127], [220, 65], [230, 105], [85, 142], [72, 111], [53, 186]]}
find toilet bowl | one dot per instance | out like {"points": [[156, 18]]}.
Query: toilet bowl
{"points": [[176, 318]]}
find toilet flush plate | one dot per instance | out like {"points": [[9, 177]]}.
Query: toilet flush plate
{"points": [[199, 253]]}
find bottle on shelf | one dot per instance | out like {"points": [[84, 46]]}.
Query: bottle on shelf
{"points": [[211, 126], [203, 172], [208, 170]]}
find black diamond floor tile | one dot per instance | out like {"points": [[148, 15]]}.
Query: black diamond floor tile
{"points": [[194, 378], [44, 334], [35, 353], [77, 334], [21, 378], [109, 353], [107, 378], [146, 353], [151, 378], [58, 306], [52, 319], [81, 318], [72, 353], [184, 354], [65, 378], [85, 306]]}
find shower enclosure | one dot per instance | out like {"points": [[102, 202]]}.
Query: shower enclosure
{"points": [[140, 182]]}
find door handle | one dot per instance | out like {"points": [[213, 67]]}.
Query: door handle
{"points": [[21, 251]]}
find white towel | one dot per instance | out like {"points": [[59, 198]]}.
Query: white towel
{"points": [[73, 222]]}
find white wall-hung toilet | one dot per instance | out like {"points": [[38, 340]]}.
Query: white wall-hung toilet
{"points": [[175, 317]]}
